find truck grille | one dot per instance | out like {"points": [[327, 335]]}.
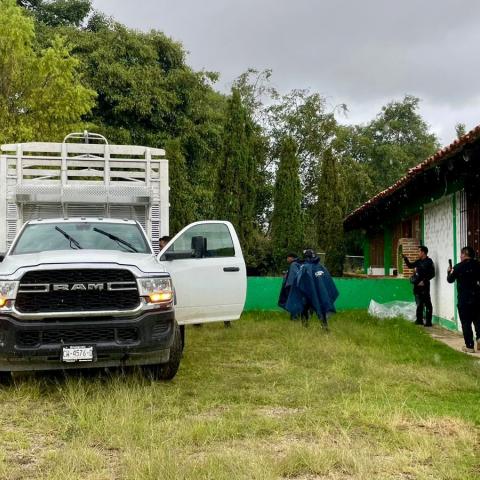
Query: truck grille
{"points": [[83, 290], [64, 336]]}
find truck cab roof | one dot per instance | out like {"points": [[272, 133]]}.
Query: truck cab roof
{"points": [[81, 219]]}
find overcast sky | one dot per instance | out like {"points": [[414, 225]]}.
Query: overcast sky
{"points": [[364, 53]]}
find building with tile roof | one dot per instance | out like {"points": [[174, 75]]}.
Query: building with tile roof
{"points": [[437, 203]]}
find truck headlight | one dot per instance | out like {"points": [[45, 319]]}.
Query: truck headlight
{"points": [[8, 291], [156, 289]]}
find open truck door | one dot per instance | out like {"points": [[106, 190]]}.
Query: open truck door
{"points": [[206, 264]]}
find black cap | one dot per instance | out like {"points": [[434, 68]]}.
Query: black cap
{"points": [[309, 253]]}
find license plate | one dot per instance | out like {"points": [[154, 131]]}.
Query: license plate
{"points": [[77, 354]]}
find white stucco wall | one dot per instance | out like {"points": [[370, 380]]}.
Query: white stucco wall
{"points": [[439, 238]]}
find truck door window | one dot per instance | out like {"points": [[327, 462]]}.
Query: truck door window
{"points": [[219, 242]]}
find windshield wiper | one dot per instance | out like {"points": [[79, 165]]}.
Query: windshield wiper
{"points": [[115, 239], [68, 237]]}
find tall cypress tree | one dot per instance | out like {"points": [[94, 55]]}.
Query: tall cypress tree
{"points": [[236, 193], [287, 224], [330, 210], [182, 205]]}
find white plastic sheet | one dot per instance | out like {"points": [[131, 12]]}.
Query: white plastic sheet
{"points": [[406, 310]]}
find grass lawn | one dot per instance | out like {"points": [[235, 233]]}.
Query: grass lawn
{"points": [[266, 399]]}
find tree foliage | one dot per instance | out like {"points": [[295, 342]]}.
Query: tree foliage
{"points": [[41, 96], [57, 13], [148, 95], [253, 87], [330, 210], [236, 196], [305, 117], [396, 140], [287, 218], [182, 208], [460, 130], [280, 167], [353, 172]]}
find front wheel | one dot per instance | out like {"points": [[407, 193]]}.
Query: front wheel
{"points": [[5, 378], [166, 371]]}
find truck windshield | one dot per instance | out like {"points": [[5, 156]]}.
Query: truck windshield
{"points": [[125, 237]]}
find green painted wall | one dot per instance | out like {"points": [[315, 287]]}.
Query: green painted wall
{"points": [[355, 293], [262, 292], [443, 322]]}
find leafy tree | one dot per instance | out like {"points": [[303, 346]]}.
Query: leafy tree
{"points": [[396, 140], [40, 92], [306, 118], [99, 21], [253, 87], [148, 95], [460, 130], [57, 13], [236, 194], [330, 208], [182, 210], [353, 173], [286, 227], [224, 151]]}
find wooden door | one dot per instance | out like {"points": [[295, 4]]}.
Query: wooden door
{"points": [[473, 222]]}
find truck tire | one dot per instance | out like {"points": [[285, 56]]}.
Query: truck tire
{"points": [[182, 332], [166, 371], [5, 378]]}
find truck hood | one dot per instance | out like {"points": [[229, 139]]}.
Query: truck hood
{"points": [[146, 263]]}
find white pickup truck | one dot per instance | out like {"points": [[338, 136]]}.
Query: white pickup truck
{"points": [[91, 291]]}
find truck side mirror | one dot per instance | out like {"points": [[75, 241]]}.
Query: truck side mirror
{"points": [[199, 246], [2, 256]]}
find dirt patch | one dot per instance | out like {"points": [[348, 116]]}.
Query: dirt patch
{"points": [[211, 413], [112, 455], [311, 476], [266, 365], [444, 427], [22, 461], [277, 447], [278, 412]]}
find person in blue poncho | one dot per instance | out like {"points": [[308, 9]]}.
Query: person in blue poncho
{"points": [[289, 277], [312, 290]]}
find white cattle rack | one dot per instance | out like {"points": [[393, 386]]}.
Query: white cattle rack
{"points": [[91, 179]]}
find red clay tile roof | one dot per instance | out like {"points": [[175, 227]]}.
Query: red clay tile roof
{"points": [[430, 162]]}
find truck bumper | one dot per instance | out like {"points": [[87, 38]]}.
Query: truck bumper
{"points": [[38, 345]]}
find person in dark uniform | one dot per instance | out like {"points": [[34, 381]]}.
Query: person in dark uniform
{"points": [[163, 241], [424, 271], [467, 275]]}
